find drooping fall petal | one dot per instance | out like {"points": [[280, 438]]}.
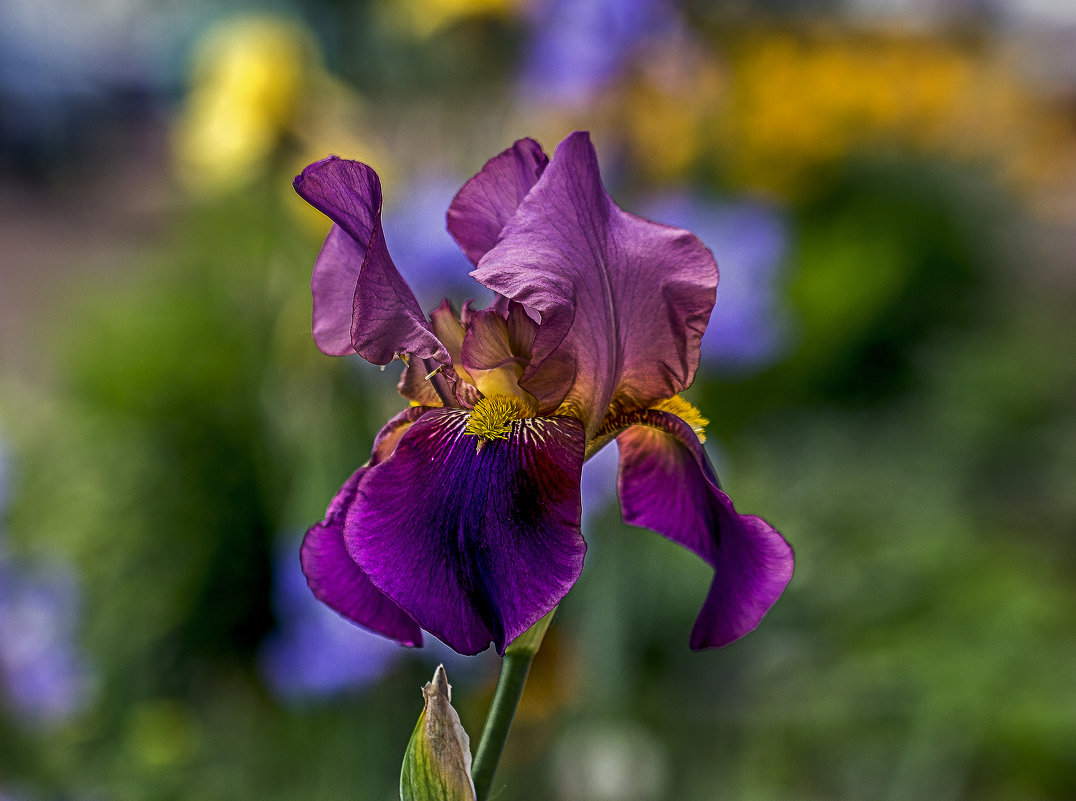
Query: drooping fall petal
{"points": [[341, 584], [667, 484], [332, 574], [486, 202], [361, 303], [476, 544], [623, 301]]}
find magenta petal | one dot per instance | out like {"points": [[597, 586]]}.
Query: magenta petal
{"points": [[476, 545], [361, 303], [667, 484], [415, 386], [486, 202], [487, 344], [341, 584], [521, 330], [624, 301]]}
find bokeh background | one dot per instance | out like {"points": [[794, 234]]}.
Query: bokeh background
{"points": [[889, 187]]}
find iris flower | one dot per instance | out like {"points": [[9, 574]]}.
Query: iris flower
{"points": [[465, 520]]}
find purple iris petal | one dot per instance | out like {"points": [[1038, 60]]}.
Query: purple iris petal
{"points": [[624, 301], [668, 485], [476, 544], [332, 574], [490, 344], [340, 584], [361, 303], [487, 202], [748, 328], [414, 385]]}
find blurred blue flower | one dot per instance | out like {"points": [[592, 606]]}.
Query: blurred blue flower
{"points": [[42, 671], [749, 326], [316, 653], [427, 257], [598, 484], [578, 47]]}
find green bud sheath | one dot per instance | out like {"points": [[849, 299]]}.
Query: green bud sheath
{"points": [[437, 765]]}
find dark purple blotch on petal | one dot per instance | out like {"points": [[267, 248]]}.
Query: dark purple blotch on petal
{"points": [[476, 544], [667, 484], [361, 303]]}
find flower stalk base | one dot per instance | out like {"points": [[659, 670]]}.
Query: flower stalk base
{"points": [[514, 669]]}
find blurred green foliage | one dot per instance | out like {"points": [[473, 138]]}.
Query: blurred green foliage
{"points": [[917, 446]]}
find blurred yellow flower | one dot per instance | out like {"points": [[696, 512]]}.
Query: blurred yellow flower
{"points": [[247, 81], [260, 100], [798, 102], [777, 107]]}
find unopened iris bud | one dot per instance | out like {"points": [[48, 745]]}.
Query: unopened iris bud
{"points": [[437, 765]]}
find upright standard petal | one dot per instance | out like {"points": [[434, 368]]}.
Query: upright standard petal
{"points": [[485, 203], [624, 301], [496, 350], [667, 484], [475, 543], [332, 574], [361, 302]]}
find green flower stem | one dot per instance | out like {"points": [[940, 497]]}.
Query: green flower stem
{"points": [[514, 669]]}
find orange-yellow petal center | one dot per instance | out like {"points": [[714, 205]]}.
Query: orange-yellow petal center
{"points": [[686, 412]]}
